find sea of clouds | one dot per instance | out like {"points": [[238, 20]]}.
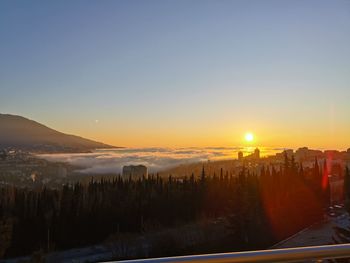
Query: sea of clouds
{"points": [[112, 160]]}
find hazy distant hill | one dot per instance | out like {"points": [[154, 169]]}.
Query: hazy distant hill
{"points": [[22, 133]]}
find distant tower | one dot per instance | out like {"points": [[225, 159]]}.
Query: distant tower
{"points": [[257, 153], [240, 155]]}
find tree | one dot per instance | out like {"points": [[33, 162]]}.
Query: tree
{"points": [[347, 189], [6, 228], [203, 174], [342, 234]]}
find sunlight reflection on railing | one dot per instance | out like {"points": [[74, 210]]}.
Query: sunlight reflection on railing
{"points": [[300, 254]]}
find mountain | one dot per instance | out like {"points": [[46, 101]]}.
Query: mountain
{"points": [[22, 133]]}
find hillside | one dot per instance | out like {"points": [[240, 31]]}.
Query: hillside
{"points": [[22, 133]]}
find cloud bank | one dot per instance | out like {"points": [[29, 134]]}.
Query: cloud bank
{"points": [[156, 159]]}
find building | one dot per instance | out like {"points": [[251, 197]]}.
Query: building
{"points": [[62, 171], [135, 171], [240, 155], [3, 155], [257, 153], [306, 154], [251, 157]]}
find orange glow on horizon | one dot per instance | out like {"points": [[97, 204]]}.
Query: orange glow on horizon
{"points": [[219, 135]]}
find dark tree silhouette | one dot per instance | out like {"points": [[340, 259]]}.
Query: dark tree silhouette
{"points": [[261, 208]]}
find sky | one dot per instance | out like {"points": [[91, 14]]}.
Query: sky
{"points": [[180, 73]]}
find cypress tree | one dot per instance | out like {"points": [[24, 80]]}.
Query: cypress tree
{"points": [[347, 189]]}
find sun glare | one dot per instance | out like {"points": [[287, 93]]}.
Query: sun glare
{"points": [[249, 137]]}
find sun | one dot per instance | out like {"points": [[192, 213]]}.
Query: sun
{"points": [[249, 137]]}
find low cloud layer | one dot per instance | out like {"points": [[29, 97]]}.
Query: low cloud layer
{"points": [[156, 159]]}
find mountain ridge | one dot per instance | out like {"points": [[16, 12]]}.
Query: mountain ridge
{"points": [[26, 134]]}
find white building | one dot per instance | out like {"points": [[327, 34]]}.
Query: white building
{"points": [[135, 171]]}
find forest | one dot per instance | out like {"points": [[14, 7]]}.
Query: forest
{"points": [[262, 208]]}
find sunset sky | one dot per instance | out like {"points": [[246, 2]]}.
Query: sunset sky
{"points": [[181, 73]]}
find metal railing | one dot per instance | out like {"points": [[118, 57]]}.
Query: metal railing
{"points": [[299, 254]]}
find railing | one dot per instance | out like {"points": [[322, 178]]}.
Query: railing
{"points": [[299, 254]]}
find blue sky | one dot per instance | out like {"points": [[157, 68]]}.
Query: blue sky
{"points": [[173, 73]]}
